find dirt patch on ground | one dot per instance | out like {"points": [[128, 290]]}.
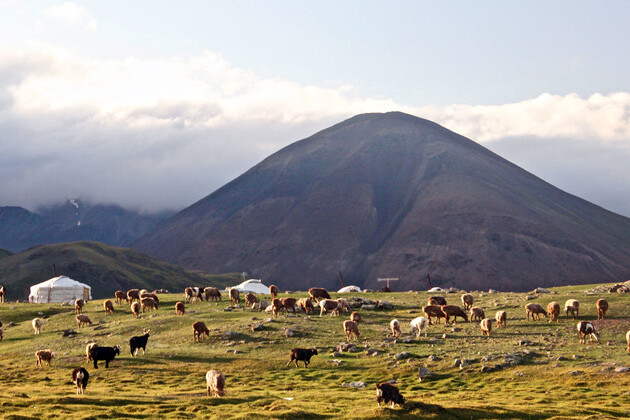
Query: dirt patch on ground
{"points": [[612, 325]]}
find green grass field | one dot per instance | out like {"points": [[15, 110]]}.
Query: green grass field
{"points": [[558, 379]]}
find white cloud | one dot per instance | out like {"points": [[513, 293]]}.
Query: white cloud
{"points": [[72, 14]]}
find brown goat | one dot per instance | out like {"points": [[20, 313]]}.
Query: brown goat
{"points": [[356, 317], [535, 310], [250, 299], [602, 308], [149, 303], [212, 293], [149, 295], [216, 383], [199, 330], [289, 304], [433, 311], [306, 304], [276, 306], [351, 329], [628, 340], [486, 326], [318, 293], [83, 320], [44, 356], [235, 296], [273, 291], [501, 318], [476, 313], [135, 309], [436, 301], [120, 296], [467, 300], [329, 305], [453, 311], [133, 294], [553, 309], [109, 307], [78, 306]]}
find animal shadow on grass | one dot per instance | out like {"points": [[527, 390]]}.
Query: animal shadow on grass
{"points": [[416, 409], [205, 360]]}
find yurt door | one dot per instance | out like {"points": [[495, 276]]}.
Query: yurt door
{"points": [[86, 294]]}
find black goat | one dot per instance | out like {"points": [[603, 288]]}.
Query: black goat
{"points": [[388, 394], [104, 353], [139, 342], [80, 376], [303, 355]]}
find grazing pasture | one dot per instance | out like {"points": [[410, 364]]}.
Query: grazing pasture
{"points": [[528, 370]]}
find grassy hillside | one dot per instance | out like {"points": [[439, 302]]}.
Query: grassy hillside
{"points": [[558, 378], [106, 268], [5, 253]]}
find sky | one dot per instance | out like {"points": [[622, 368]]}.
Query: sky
{"points": [[152, 105]]}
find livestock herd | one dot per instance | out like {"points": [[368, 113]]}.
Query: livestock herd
{"points": [[436, 308]]}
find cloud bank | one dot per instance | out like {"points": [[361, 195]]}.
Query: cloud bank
{"points": [[156, 134]]}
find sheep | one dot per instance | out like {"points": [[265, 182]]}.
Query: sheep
{"points": [[388, 394], [189, 295], [103, 353], [37, 325], [139, 342], [289, 303], [418, 325], [467, 300], [199, 330], [250, 300], [83, 320], [585, 328], [148, 302], [135, 309], [133, 294], [351, 328], [88, 351], [486, 326], [535, 310], [572, 306], [436, 301], [453, 311], [318, 293], [306, 304], [78, 306], [602, 307], [80, 377], [303, 355], [216, 383], [628, 340], [180, 309], [344, 305], [120, 296], [394, 327], [44, 356], [476, 313], [326, 305], [149, 295], [433, 311], [553, 308], [356, 317], [501, 318], [212, 293], [273, 291], [276, 306], [235, 296], [109, 307]]}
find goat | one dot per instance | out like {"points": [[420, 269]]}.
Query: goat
{"points": [[83, 320], [147, 302], [139, 342], [273, 291], [135, 309], [88, 351], [199, 330], [303, 355], [476, 313], [80, 377], [250, 300], [351, 328], [501, 318], [356, 317], [318, 293], [602, 308], [628, 340], [78, 306], [572, 306], [180, 309], [189, 295], [120, 296], [37, 325], [3, 293], [235, 296], [212, 293], [344, 305], [109, 307], [453, 311], [133, 294], [535, 310], [289, 303], [44, 356], [388, 394], [418, 325], [394, 327], [585, 328], [149, 295], [326, 305], [467, 300], [486, 326], [436, 301], [433, 311], [553, 309], [306, 304], [103, 353], [216, 383], [276, 306]]}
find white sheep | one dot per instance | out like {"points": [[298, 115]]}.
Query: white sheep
{"points": [[37, 325], [418, 325]]}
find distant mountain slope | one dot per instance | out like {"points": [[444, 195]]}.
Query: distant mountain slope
{"points": [[392, 195], [5, 253], [73, 220], [105, 268]]}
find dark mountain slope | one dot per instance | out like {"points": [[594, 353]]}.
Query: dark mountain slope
{"points": [[392, 195]]}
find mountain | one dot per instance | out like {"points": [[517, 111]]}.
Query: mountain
{"points": [[105, 268], [5, 253], [392, 195], [73, 220]]}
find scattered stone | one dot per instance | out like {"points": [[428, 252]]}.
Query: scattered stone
{"points": [[257, 326], [577, 356], [68, 333], [383, 304], [406, 340], [423, 373], [575, 372], [355, 385], [445, 336], [11, 324], [336, 354], [289, 332], [410, 360], [341, 347], [367, 307], [40, 313], [492, 291], [456, 329], [609, 343], [487, 358], [540, 290], [530, 297], [228, 309], [230, 335], [525, 343], [622, 369], [433, 358], [335, 362], [401, 355], [486, 369], [457, 363], [266, 320], [561, 358]]}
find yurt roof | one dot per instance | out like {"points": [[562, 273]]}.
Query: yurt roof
{"points": [[252, 285], [349, 289], [60, 281]]}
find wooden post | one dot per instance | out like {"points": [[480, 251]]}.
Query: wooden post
{"points": [[387, 279]]}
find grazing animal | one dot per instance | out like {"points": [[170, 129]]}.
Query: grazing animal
{"points": [[501, 318], [276, 306], [189, 295], [80, 377], [273, 291], [433, 311], [436, 301], [139, 342], [149, 295], [289, 304], [3, 293], [199, 330], [109, 307], [133, 294], [120, 296], [148, 302], [535, 310], [88, 351], [453, 311], [306, 304], [327, 305], [37, 325], [628, 340], [212, 293], [418, 325], [467, 300], [216, 383], [83, 320], [486, 326], [318, 293], [351, 329], [1, 331], [180, 309], [344, 305], [476, 313], [602, 308], [44, 356], [356, 317], [250, 300], [585, 329], [235, 296], [303, 355], [394, 327], [572, 306], [553, 308], [107, 354], [388, 394], [78, 306], [135, 309]]}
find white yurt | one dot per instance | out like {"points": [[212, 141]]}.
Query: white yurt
{"points": [[252, 285], [349, 289], [60, 289]]}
